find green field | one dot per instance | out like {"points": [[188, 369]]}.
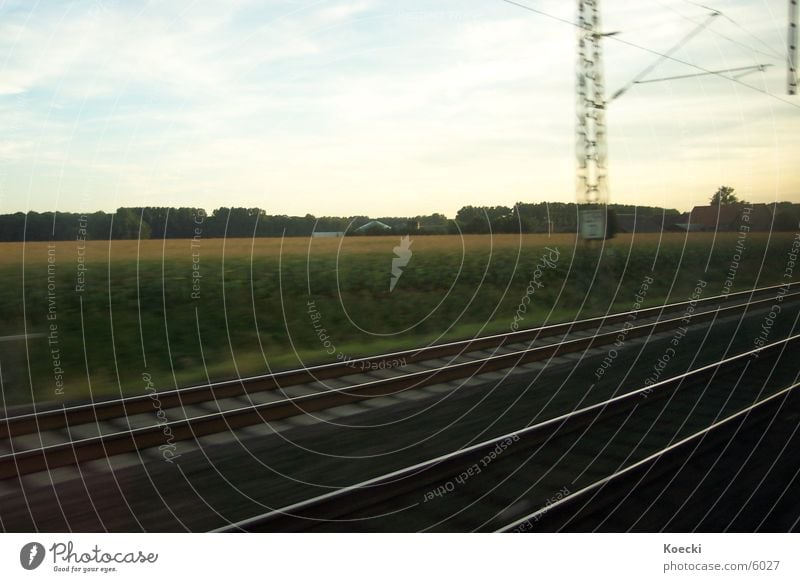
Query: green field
{"points": [[143, 309]]}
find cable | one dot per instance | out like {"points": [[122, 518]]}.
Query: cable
{"points": [[737, 25], [710, 72], [700, 27], [748, 69], [772, 53], [656, 53], [554, 17]]}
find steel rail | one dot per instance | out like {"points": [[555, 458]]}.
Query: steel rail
{"points": [[347, 500], [73, 415], [81, 450], [648, 461]]}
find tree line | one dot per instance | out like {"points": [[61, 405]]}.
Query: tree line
{"points": [[164, 222]]}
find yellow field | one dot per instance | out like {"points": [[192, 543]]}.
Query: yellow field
{"points": [[245, 317], [100, 251]]}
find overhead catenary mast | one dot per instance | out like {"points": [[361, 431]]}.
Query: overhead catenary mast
{"points": [[590, 129], [591, 146], [792, 42]]}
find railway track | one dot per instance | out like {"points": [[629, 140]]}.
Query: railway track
{"points": [[738, 474], [43, 440], [541, 476]]}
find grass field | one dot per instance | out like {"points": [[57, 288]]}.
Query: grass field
{"points": [[183, 311]]}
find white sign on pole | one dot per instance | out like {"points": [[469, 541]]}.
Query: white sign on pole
{"points": [[592, 224]]}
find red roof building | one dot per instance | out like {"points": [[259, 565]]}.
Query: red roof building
{"points": [[724, 218]]}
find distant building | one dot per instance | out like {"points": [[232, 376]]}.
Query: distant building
{"points": [[373, 226], [787, 216], [728, 217], [722, 218], [331, 234], [761, 217]]}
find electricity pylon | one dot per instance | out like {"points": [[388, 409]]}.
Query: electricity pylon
{"points": [[590, 143], [590, 129]]}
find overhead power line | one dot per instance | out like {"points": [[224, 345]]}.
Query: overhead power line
{"points": [[770, 52], [744, 70], [739, 26], [655, 52], [700, 27]]}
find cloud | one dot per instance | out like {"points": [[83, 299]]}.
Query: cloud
{"points": [[321, 105]]}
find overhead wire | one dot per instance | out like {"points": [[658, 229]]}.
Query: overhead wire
{"points": [[739, 26], [740, 70], [771, 52], [700, 27], [782, 57], [655, 52]]}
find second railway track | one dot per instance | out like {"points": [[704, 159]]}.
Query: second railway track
{"points": [[510, 483], [78, 433]]}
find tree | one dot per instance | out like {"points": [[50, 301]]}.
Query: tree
{"points": [[484, 219], [128, 224], [723, 196]]}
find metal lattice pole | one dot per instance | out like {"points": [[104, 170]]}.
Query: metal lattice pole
{"points": [[590, 129], [792, 41], [591, 126]]}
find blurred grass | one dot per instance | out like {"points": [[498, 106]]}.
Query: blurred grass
{"points": [[136, 313]]}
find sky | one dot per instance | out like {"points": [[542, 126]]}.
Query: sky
{"points": [[380, 107]]}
